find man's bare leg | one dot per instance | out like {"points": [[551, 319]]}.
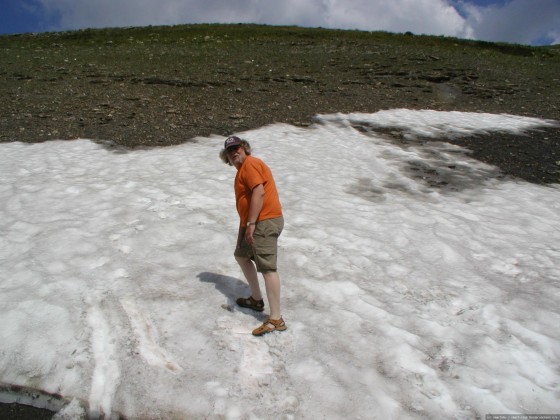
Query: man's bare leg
{"points": [[272, 284], [250, 273]]}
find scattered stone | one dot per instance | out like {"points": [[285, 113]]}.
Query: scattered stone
{"points": [[215, 88]]}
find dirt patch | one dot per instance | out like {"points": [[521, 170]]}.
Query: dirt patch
{"points": [[148, 87]]}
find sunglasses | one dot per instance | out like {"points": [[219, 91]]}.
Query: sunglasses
{"points": [[233, 149]]}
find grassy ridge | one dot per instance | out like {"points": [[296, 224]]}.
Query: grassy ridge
{"points": [[164, 85], [243, 32]]}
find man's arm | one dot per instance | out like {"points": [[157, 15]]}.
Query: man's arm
{"points": [[240, 236], [255, 207]]}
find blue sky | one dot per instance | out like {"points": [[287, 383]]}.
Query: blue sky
{"points": [[533, 22]]}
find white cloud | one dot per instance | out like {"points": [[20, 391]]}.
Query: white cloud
{"points": [[554, 36], [418, 16], [517, 21]]}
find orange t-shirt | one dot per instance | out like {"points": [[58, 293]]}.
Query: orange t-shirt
{"points": [[253, 172]]}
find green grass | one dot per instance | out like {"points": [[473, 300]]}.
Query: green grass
{"points": [[210, 74], [184, 50], [201, 33]]}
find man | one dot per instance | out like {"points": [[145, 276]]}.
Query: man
{"points": [[261, 222]]}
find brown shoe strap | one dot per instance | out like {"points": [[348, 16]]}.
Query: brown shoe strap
{"points": [[276, 322]]}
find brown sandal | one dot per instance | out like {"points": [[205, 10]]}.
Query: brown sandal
{"points": [[270, 325], [256, 305]]}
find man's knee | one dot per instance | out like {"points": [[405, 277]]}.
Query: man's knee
{"points": [[243, 260]]}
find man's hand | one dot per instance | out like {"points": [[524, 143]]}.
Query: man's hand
{"points": [[249, 234]]}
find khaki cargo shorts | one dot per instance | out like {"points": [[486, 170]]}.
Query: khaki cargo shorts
{"points": [[265, 247]]}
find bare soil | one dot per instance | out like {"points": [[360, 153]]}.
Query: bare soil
{"points": [[148, 87]]}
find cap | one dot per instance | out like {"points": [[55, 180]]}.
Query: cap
{"points": [[232, 141]]}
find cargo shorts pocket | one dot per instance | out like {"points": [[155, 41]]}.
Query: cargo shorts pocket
{"points": [[266, 243]]}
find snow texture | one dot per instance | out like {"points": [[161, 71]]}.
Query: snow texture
{"points": [[416, 283]]}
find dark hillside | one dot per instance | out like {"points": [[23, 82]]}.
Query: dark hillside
{"points": [[158, 86]]}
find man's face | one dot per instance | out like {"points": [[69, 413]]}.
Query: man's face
{"points": [[236, 155]]}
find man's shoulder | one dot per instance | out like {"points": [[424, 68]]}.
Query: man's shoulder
{"points": [[254, 159], [254, 162]]}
